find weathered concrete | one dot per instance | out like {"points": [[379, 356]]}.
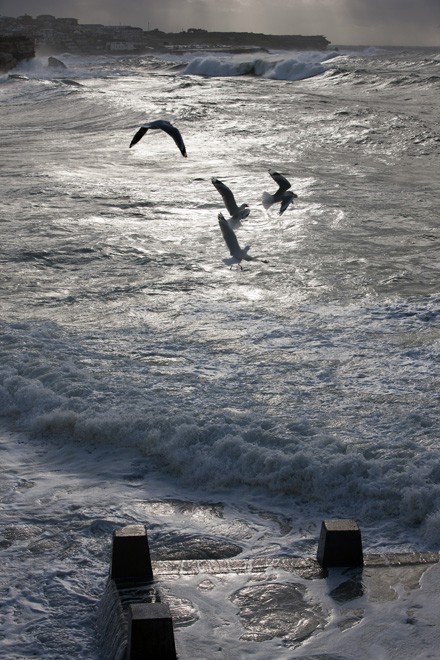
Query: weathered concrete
{"points": [[150, 632], [308, 567], [274, 598], [131, 554], [340, 543]]}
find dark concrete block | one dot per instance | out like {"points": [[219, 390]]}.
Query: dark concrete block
{"points": [[340, 544], [131, 554], [150, 632]]}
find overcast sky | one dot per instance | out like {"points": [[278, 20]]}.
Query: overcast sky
{"points": [[364, 22]]}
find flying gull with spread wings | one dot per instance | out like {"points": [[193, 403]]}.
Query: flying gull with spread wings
{"points": [[237, 213], [282, 195], [163, 125], [237, 253]]}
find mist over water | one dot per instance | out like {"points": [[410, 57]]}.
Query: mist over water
{"points": [[142, 380]]}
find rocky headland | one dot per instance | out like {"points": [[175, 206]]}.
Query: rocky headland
{"points": [[14, 49], [21, 37], [202, 39]]}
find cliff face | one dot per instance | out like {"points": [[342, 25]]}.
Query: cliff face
{"points": [[203, 38], [14, 49]]}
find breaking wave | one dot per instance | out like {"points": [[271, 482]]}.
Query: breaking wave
{"points": [[286, 66]]}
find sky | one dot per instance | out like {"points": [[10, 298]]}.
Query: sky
{"points": [[343, 22]]}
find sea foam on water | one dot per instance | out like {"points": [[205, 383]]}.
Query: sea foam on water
{"points": [[142, 381]]}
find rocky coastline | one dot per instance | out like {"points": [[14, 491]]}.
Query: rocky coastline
{"points": [[202, 39], [22, 37], [15, 49]]}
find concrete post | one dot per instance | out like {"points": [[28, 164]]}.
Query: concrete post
{"points": [[150, 632], [131, 554], [340, 544]]}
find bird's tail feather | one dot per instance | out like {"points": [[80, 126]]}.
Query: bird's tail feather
{"points": [[267, 200], [244, 253]]}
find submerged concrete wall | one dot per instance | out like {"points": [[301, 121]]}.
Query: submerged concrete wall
{"points": [[145, 628], [142, 618]]}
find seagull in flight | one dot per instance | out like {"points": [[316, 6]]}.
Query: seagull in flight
{"points": [[164, 126], [283, 194], [237, 253], [237, 213]]}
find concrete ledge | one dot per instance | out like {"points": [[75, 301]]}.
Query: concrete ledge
{"points": [[402, 559], [307, 568]]}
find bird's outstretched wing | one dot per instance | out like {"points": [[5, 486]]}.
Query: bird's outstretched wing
{"points": [[137, 136], [229, 236], [287, 199], [237, 253], [164, 126], [227, 195], [280, 180], [173, 132]]}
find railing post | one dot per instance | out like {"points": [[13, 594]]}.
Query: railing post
{"points": [[340, 544], [150, 632], [131, 554]]}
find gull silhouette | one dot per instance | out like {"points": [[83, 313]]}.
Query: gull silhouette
{"points": [[237, 253], [283, 194], [237, 213], [164, 126]]}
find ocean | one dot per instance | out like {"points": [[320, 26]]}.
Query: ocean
{"points": [[142, 380]]}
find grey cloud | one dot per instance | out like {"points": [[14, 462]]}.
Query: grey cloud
{"points": [[366, 22]]}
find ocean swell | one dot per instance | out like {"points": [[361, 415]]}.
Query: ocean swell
{"points": [[51, 387], [289, 66]]}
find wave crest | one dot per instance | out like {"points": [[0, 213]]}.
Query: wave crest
{"points": [[291, 66]]}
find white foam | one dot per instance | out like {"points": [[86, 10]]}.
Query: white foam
{"points": [[140, 370], [278, 451], [298, 66]]}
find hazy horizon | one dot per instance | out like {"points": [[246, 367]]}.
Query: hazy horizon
{"points": [[355, 22]]}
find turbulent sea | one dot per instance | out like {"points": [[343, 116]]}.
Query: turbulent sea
{"points": [[144, 381]]}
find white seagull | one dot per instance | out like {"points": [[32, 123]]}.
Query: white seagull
{"points": [[237, 213], [237, 253], [283, 194], [164, 126]]}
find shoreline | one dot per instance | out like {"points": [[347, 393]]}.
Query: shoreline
{"points": [[16, 47]]}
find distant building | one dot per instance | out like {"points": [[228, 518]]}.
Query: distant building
{"points": [[66, 23], [45, 20]]}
